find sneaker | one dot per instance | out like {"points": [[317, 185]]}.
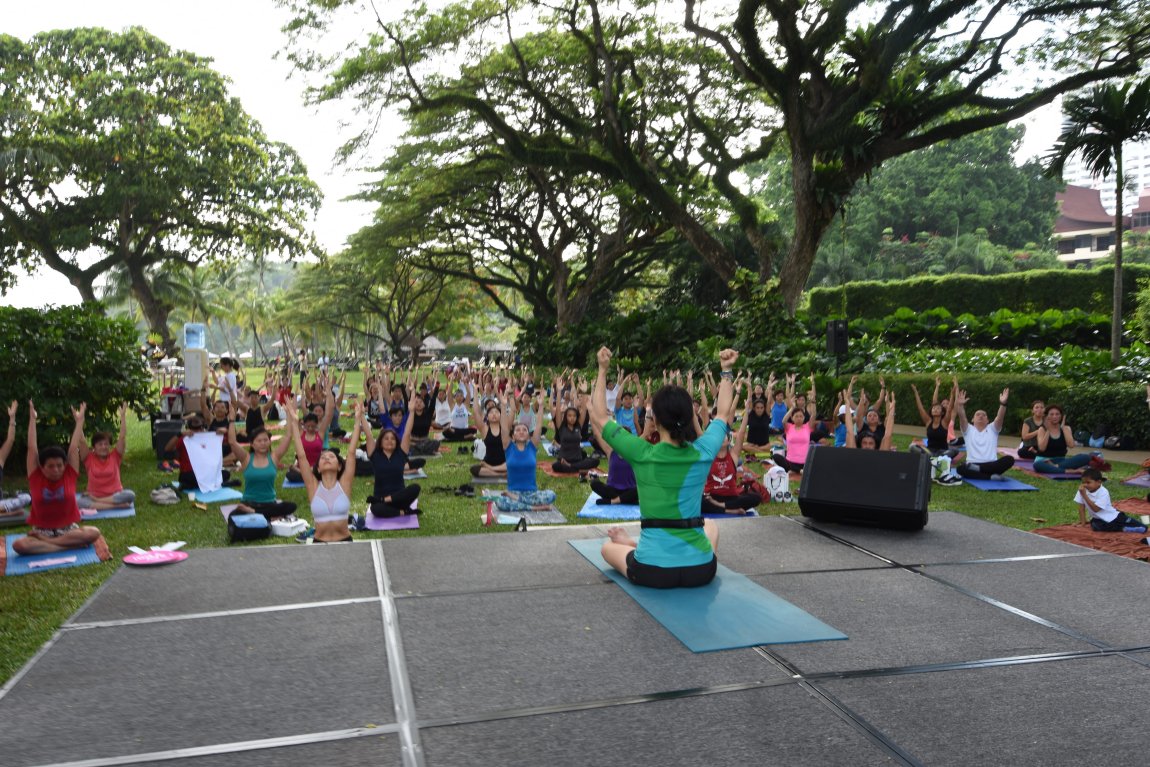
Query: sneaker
{"points": [[305, 535], [356, 522], [998, 477], [949, 480]]}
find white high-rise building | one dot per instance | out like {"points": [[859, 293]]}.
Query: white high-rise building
{"points": [[1136, 159]]}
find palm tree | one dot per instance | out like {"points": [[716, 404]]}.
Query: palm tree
{"points": [[1096, 124]]}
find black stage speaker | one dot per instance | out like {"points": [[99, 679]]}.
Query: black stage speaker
{"points": [[866, 487], [837, 337]]}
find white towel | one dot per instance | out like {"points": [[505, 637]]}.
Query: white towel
{"points": [[205, 451]]}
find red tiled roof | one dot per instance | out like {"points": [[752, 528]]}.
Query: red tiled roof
{"points": [[1082, 205]]}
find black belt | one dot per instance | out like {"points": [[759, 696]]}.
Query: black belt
{"points": [[680, 523]]}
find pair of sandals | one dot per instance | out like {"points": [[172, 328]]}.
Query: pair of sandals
{"points": [[466, 491]]}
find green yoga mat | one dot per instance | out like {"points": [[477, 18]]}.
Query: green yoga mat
{"points": [[730, 612]]}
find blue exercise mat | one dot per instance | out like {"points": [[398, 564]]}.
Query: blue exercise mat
{"points": [[34, 563], [217, 496], [292, 485], [622, 512], [730, 612], [1000, 485], [129, 511]]}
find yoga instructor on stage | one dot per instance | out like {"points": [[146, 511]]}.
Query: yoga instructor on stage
{"points": [[677, 546]]}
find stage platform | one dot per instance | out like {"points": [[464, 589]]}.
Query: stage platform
{"points": [[969, 644]]}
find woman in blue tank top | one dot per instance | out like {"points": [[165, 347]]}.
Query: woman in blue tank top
{"points": [[259, 470], [520, 447]]}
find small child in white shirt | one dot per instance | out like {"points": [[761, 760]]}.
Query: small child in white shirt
{"points": [[1104, 518]]}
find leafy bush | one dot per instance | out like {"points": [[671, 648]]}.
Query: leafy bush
{"points": [[1071, 363], [1120, 407], [61, 357], [1004, 329], [1031, 291]]}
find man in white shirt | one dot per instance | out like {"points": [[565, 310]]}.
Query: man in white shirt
{"points": [[981, 438]]}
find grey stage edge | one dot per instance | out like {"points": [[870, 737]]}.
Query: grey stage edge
{"points": [[969, 644]]}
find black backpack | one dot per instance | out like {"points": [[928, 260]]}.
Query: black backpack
{"points": [[247, 527]]}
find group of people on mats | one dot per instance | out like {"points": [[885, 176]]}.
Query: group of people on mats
{"points": [[671, 453]]}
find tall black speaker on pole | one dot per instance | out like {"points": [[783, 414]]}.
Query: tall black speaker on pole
{"points": [[837, 337], [878, 488]]}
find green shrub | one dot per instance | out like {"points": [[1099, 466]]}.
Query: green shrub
{"points": [[1004, 329], [61, 357], [1120, 407], [1031, 291]]}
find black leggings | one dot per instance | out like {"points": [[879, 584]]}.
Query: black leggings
{"points": [[571, 467], [272, 510], [721, 504], [1121, 523], [188, 480], [458, 435], [400, 503], [606, 494], [780, 460], [985, 470]]}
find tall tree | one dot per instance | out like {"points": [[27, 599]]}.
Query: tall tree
{"points": [[607, 97], [857, 82], [137, 156], [1096, 125]]}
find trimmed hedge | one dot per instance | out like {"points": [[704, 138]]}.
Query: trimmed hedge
{"points": [[1032, 291], [1002, 330]]}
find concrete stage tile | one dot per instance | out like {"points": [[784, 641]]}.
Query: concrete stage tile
{"points": [[489, 562], [484, 652], [764, 545], [235, 578], [1099, 596], [780, 726], [1076, 712], [382, 750], [897, 618], [160, 686], [947, 537]]}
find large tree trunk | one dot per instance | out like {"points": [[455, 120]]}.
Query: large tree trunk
{"points": [[811, 220], [1116, 307], [155, 311]]}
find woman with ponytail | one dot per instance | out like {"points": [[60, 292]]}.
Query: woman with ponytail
{"points": [[677, 546]]}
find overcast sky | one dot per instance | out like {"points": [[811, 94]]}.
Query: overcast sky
{"points": [[243, 36]]}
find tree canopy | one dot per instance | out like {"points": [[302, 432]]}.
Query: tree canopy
{"points": [[119, 152]]}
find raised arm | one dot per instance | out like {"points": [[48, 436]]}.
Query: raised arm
{"points": [[328, 406], [727, 360], [10, 440], [347, 479], [238, 450], [295, 436], [77, 444], [849, 419], [950, 411], [888, 432], [507, 413], [812, 402], [741, 436], [599, 414], [960, 401], [540, 408], [281, 449], [1001, 417], [922, 413], [32, 454]]}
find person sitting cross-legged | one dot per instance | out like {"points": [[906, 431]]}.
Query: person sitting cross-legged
{"points": [[102, 462], [52, 475], [981, 438]]}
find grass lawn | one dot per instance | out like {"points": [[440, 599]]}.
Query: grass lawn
{"points": [[32, 607]]}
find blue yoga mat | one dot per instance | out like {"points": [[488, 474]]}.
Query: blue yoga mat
{"points": [[217, 496], [129, 511], [730, 612], [622, 512], [1002, 485], [34, 563], [292, 485]]}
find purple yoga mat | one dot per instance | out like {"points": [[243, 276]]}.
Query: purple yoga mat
{"points": [[402, 522], [1142, 480]]}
